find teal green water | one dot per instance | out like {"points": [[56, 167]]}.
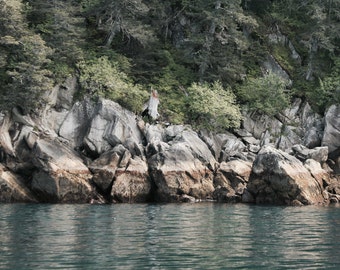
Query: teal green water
{"points": [[168, 236]]}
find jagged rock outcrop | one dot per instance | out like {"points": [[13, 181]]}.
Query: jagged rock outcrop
{"points": [[279, 178], [230, 180], [98, 127], [303, 153], [60, 175], [296, 125], [224, 146], [99, 152], [180, 164], [13, 188]]}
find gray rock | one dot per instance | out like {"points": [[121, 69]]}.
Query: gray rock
{"points": [[132, 184], [76, 124], [279, 178], [104, 169], [154, 133], [295, 125], [331, 136], [223, 146], [12, 188], [61, 175], [319, 154], [101, 126], [181, 168], [112, 125]]}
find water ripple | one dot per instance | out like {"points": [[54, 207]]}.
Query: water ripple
{"points": [[168, 236]]}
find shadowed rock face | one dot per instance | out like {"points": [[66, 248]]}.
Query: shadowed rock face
{"points": [[279, 178], [12, 188], [230, 180]]}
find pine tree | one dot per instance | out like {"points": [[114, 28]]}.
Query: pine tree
{"points": [[24, 57], [62, 26]]}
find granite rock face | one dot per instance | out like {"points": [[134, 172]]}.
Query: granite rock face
{"points": [[13, 189], [60, 175], [231, 180], [99, 152], [279, 178], [180, 165], [331, 136]]}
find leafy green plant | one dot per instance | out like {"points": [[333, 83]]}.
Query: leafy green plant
{"points": [[211, 106], [265, 94], [102, 78]]}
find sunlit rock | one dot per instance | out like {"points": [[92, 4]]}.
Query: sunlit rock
{"points": [[331, 136], [60, 175], [181, 166]]}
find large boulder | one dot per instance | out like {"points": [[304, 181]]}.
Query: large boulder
{"points": [[279, 178], [75, 126], [230, 180], [121, 177], [60, 175], [132, 183], [104, 169], [12, 188], [98, 127], [181, 165], [224, 146], [331, 136]]}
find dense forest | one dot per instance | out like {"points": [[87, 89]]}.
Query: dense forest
{"points": [[206, 58]]}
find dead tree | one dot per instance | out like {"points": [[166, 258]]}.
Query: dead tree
{"points": [[150, 108]]}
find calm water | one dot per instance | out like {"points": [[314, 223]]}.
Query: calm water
{"points": [[168, 236]]}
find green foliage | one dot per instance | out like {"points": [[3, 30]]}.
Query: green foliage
{"points": [[171, 84], [59, 23], [102, 78], [264, 94], [24, 57], [211, 106], [329, 90], [117, 49]]}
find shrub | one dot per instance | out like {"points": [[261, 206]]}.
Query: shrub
{"points": [[211, 106], [102, 78], [265, 94]]}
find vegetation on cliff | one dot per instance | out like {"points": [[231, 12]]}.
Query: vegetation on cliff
{"points": [[205, 58]]}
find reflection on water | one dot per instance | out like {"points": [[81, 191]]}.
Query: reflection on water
{"points": [[168, 236]]}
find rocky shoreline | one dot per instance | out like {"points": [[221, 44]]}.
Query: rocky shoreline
{"points": [[99, 152]]}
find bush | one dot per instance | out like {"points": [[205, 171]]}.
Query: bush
{"points": [[212, 107], [102, 78], [265, 94]]}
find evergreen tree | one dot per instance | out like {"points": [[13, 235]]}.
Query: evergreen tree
{"points": [[120, 18], [23, 72], [63, 28], [212, 34]]}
